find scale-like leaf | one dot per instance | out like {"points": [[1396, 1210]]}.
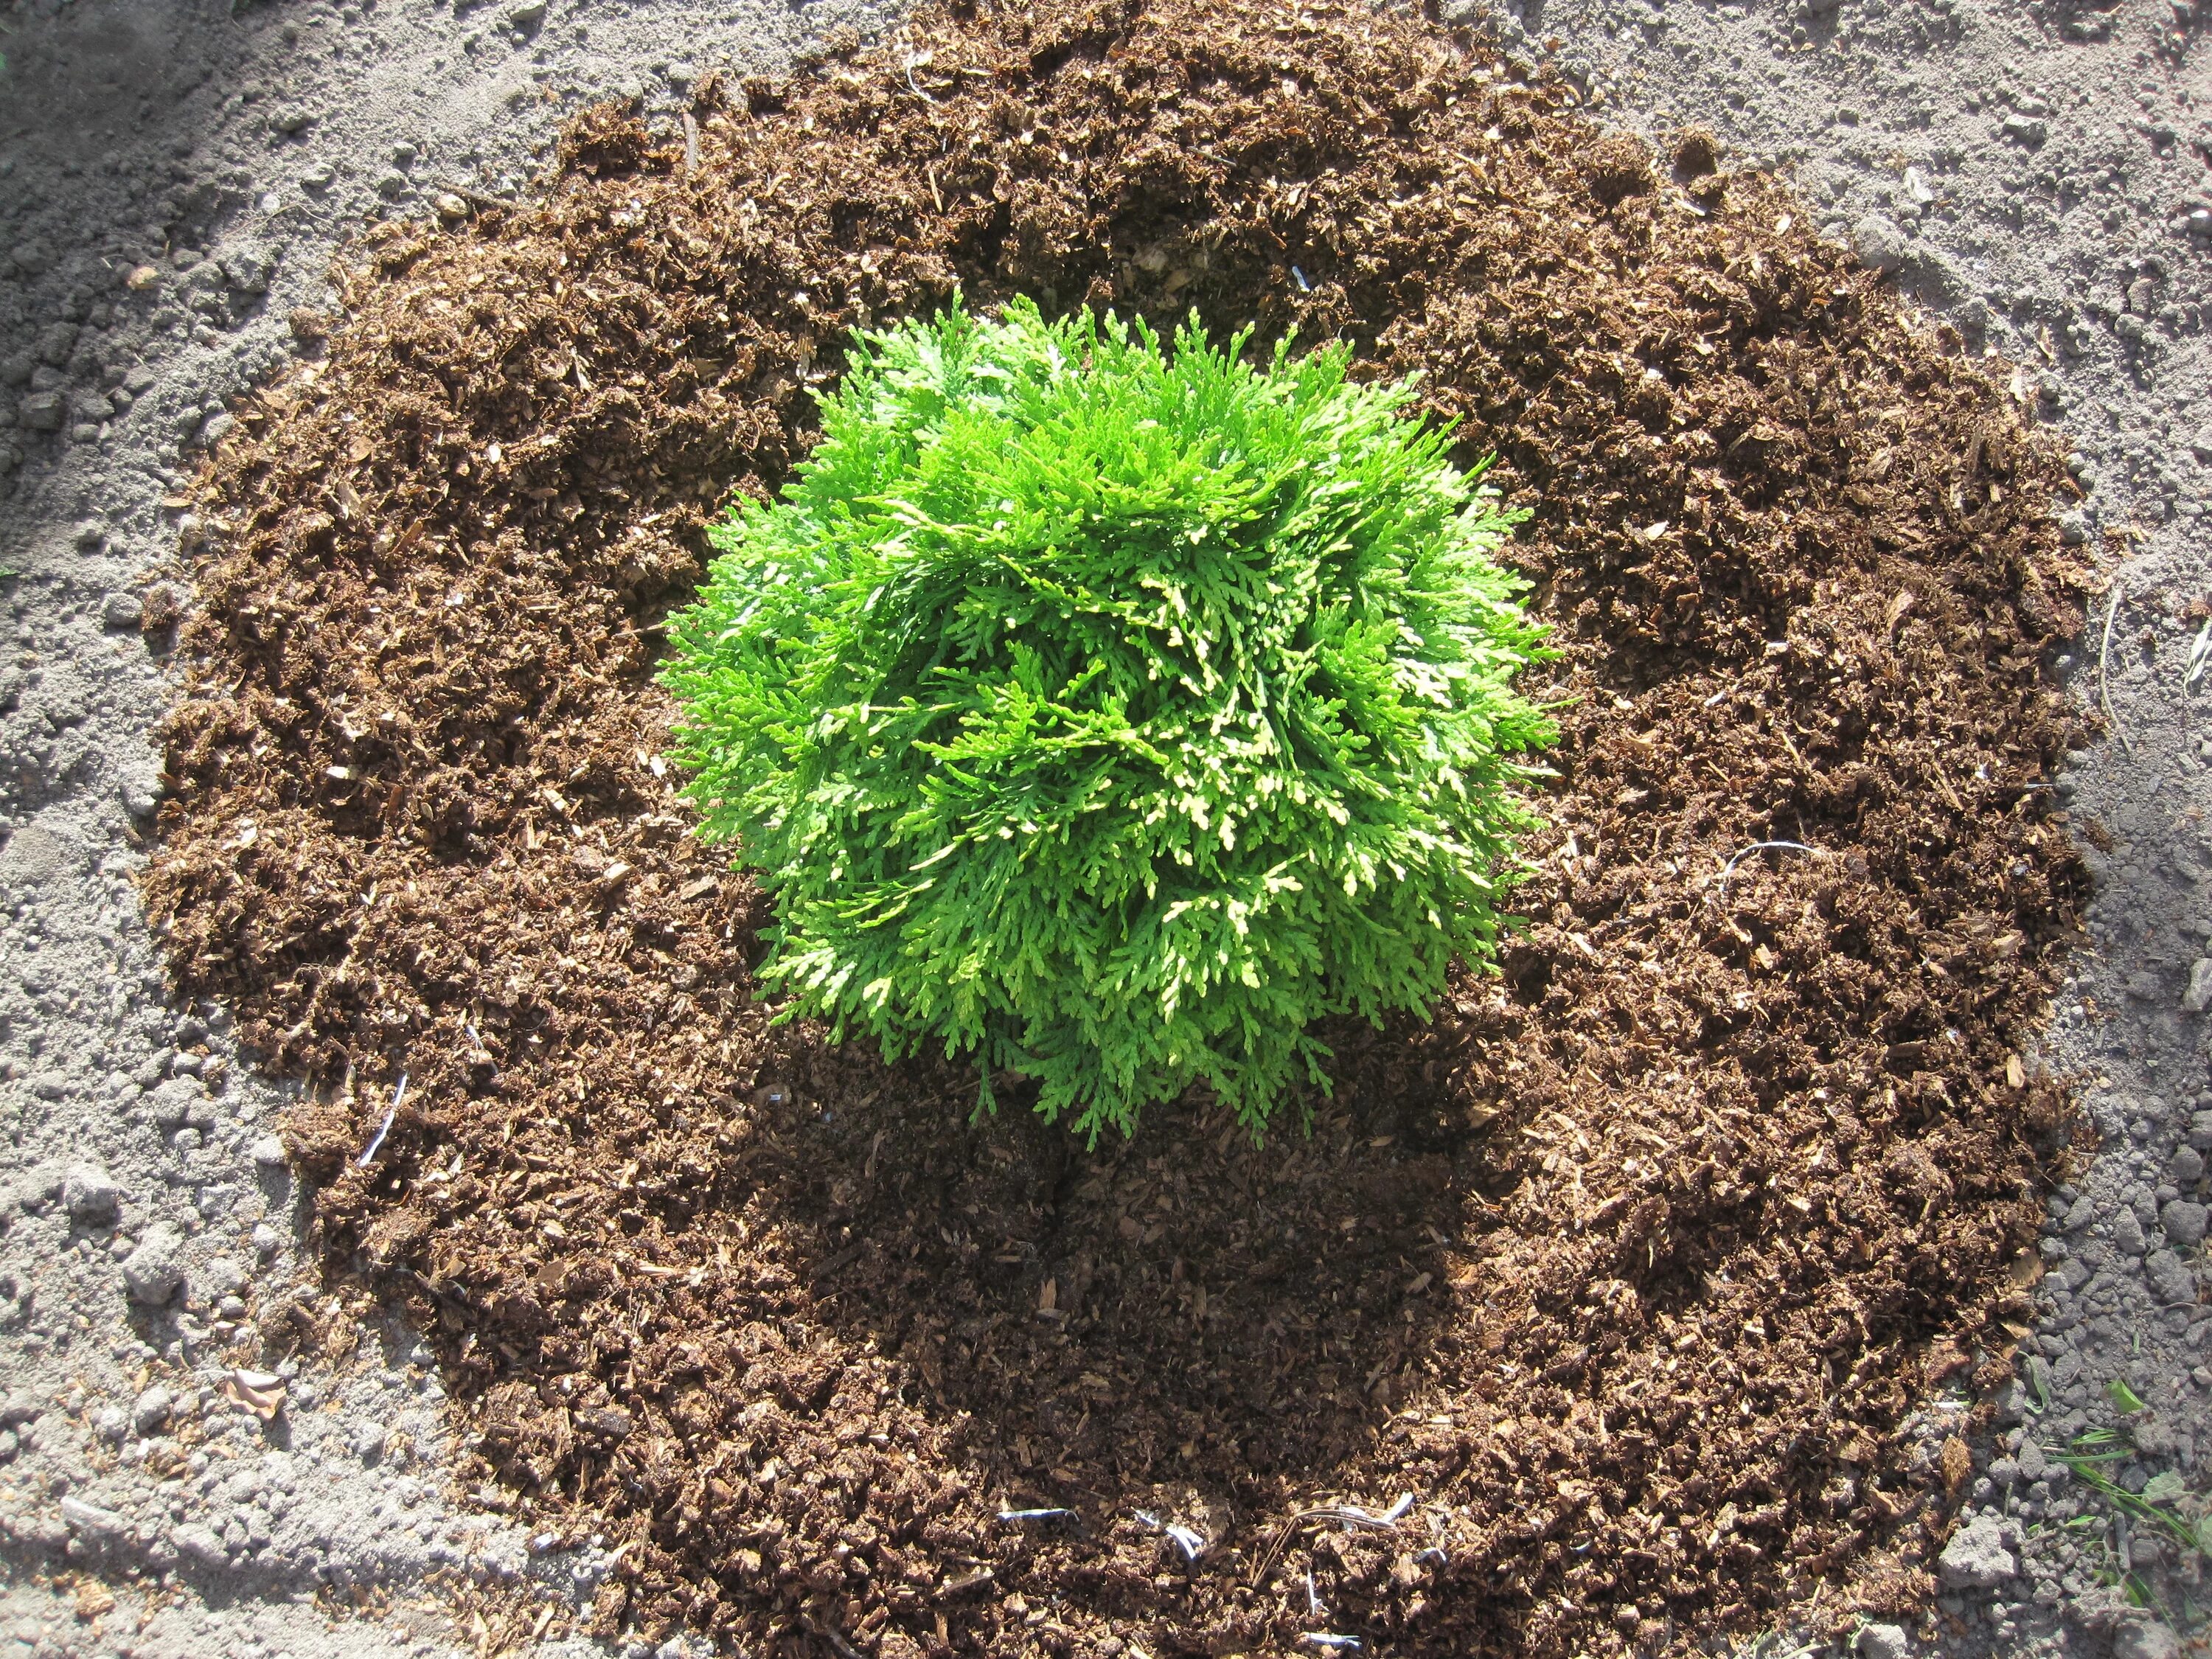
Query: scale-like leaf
{"points": [[1112, 712]]}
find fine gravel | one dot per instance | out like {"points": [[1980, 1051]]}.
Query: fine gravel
{"points": [[174, 181]]}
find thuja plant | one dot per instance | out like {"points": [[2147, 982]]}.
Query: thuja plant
{"points": [[1111, 714]]}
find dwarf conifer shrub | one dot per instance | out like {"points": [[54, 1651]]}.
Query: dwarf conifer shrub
{"points": [[1112, 714]]}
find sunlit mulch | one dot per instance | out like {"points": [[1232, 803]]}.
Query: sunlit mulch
{"points": [[1626, 1270]]}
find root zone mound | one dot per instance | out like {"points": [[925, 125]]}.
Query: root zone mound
{"points": [[1627, 1270]]}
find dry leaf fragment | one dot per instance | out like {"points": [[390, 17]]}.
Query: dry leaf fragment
{"points": [[261, 1392], [93, 1599], [1956, 1464]]}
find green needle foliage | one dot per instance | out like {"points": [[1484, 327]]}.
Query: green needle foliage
{"points": [[1112, 714]]}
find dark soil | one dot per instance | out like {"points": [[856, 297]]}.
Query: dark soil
{"points": [[1627, 1270]]}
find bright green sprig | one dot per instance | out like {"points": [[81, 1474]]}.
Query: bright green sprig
{"points": [[1112, 714]]}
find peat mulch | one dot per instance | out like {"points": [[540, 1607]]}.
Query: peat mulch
{"points": [[1610, 1293]]}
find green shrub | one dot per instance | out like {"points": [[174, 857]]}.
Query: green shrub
{"points": [[1112, 714]]}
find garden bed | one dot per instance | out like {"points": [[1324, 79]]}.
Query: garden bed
{"points": [[1628, 1269]]}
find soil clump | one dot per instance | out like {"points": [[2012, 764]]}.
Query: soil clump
{"points": [[1628, 1269]]}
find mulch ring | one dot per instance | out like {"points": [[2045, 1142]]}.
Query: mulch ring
{"points": [[1624, 1272]]}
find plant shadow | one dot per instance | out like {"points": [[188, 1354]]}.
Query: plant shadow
{"points": [[1182, 1318]]}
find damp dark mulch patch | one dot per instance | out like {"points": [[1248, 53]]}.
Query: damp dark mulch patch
{"points": [[1628, 1269]]}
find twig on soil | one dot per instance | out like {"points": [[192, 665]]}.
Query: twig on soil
{"points": [[398, 1095], [1349, 1515], [691, 146], [475, 196], [835, 1639], [2104, 656], [2200, 658], [1322, 1638], [1035, 1515], [1365, 1520], [1728, 869]]}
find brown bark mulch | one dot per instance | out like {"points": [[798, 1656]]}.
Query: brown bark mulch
{"points": [[1625, 1271]]}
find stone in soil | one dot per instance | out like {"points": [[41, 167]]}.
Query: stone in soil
{"points": [[91, 1198], [1979, 1556], [153, 1272], [2146, 1639]]}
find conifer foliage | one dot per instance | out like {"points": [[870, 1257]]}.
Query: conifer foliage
{"points": [[1111, 713]]}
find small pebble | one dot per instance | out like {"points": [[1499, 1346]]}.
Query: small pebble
{"points": [[91, 1198], [150, 1411], [2183, 1222], [2146, 1639], [1880, 244], [222, 1277], [154, 1272], [2199, 997]]}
